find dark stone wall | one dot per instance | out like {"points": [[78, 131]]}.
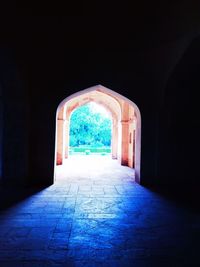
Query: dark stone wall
{"points": [[14, 122], [149, 60], [1, 133], [179, 127]]}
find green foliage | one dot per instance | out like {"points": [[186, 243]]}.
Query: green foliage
{"points": [[89, 127], [92, 149]]}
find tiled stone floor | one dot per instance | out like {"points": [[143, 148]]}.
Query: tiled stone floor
{"points": [[96, 215]]}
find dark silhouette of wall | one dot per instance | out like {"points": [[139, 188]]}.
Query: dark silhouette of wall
{"points": [[179, 122], [1, 133], [14, 122]]}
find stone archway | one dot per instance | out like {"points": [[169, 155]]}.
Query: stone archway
{"points": [[126, 125]]}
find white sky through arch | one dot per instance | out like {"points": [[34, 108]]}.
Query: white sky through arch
{"points": [[96, 108]]}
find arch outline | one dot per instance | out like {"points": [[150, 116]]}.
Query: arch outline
{"points": [[117, 95]]}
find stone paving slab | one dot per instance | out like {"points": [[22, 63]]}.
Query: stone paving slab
{"points": [[97, 218]]}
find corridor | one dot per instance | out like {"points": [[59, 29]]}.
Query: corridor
{"points": [[94, 215]]}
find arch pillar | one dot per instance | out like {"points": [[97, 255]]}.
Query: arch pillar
{"points": [[60, 141], [66, 137], [131, 143], [114, 139], [125, 143]]}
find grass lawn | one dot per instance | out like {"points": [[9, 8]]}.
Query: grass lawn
{"points": [[88, 150]]}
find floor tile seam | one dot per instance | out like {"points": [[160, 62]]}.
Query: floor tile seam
{"points": [[73, 218]]}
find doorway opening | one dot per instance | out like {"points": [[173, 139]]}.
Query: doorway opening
{"points": [[125, 134]]}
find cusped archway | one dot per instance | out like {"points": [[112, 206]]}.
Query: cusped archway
{"points": [[126, 126]]}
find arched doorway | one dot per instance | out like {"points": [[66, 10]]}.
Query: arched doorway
{"points": [[126, 125]]}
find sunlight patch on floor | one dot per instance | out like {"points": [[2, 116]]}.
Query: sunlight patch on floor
{"points": [[93, 170]]}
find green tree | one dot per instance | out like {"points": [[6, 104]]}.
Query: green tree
{"points": [[89, 127]]}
